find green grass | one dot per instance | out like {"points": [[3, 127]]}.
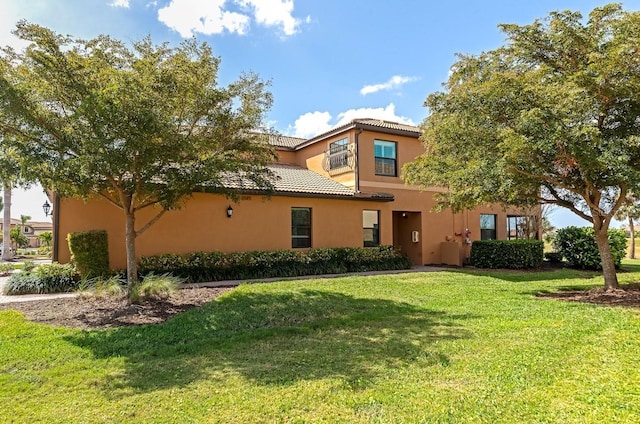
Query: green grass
{"points": [[424, 347]]}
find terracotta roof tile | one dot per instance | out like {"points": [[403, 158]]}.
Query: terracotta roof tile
{"points": [[295, 179]]}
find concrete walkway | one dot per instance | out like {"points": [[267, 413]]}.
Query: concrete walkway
{"points": [[226, 283]]}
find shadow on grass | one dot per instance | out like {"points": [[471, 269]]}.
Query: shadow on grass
{"points": [[522, 276], [275, 339]]}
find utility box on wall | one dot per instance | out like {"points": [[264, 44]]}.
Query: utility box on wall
{"points": [[450, 253]]}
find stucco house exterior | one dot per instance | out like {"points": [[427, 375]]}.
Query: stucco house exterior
{"points": [[341, 188]]}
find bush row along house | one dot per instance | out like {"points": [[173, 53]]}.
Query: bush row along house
{"points": [[341, 188]]}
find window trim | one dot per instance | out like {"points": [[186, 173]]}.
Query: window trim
{"points": [[309, 227], [382, 158]]}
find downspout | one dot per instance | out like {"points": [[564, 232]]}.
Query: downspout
{"points": [[357, 164], [56, 225]]}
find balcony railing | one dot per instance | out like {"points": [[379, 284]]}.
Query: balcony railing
{"points": [[339, 159]]}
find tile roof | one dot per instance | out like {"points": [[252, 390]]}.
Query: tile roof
{"points": [[285, 141], [389, 125], [296, 179], [293, 179], [292, 143]]}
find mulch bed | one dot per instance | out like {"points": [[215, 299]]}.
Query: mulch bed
{"points": [[627, 296], [90, 312]]}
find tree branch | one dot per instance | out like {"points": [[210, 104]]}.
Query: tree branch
{"points": [[150, 223]]}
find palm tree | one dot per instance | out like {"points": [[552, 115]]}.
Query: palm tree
{"points": [[630, 210]]}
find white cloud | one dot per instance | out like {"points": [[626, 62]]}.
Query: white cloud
{"points": [[119, 3], [395, 81], [312, 124], [274, 13], [387, 114], [188, 17]]}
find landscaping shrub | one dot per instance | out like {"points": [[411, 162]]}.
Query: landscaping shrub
{"points": [[28, 266], [90, 253], [47, 278], [216, 266], [578, 246], [511, 254], [115, 286], [553, 257], [6, 268], [155, 287]]}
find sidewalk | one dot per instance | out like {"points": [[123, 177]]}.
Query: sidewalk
{"points": [[226, 283]]}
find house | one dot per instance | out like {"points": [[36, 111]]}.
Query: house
{"points": [[340, 188], [31, 230]]}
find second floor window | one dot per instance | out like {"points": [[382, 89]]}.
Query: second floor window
{"points": [[385, 154], [338, 154]]}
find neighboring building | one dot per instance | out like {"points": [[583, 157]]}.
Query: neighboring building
{"points": [[340, 188], [32, 230]]}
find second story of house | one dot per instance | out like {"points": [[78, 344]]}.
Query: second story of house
{"points": [[364, 154]]}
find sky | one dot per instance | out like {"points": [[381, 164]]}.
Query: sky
{"points": [[328, 61]]}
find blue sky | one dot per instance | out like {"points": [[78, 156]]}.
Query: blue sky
{"points": [[329, 61]]}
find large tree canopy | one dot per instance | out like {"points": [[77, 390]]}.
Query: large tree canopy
{"points": [[553, 116], [142, 126]]}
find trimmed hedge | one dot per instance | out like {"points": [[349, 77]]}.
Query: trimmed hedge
{"points": [[510, 254], [215, 266], [47, 278], [578, 246], [90, 253]]}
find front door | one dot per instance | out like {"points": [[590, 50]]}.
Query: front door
{"points": [[407, 234]]}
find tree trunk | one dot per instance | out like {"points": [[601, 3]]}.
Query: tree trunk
{"points": [[608, 266], [6, 227], [632, 251], [130, 243]]}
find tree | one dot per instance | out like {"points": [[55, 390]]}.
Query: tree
{"points": [[141, 126], [550, 117], [18, 239], [10, 176], [46, 238], [630, 210]]}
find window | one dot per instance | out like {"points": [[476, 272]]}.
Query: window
{"points": [[371, 228], [385, 154], [300, 227], [487, 227], [520, 227], [339, 154]]}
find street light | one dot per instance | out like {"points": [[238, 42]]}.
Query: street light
{"points": [[46, 207]]}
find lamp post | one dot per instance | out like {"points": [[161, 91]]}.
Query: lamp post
{"points": [[46, 207]]}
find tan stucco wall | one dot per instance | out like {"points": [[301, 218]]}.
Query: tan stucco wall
{"points": [[202, 225]]}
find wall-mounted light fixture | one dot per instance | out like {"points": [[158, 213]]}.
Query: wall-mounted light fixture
{"points": [[46, 207], [229, 212]]}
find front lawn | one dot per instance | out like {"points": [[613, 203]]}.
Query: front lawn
{"points": [[424, 347]]}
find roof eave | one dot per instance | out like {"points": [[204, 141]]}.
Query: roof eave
{"points": [[358, 125]]}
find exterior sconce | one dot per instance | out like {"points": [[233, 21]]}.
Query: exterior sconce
{"points": [[46, 207], [229, 212]]}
